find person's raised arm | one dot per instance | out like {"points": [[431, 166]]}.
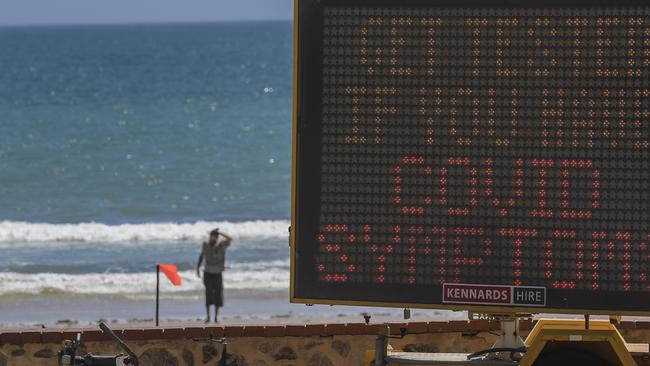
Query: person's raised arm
{"points": [[198, 264], [227, 237]]}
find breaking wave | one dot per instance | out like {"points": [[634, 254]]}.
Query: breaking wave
{"points": [[22, 232], [268, 276]]}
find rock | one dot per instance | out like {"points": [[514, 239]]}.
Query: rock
{"points": [[268, 347], [67, 322], [209, 353], [3, 360], [235, 360], [18, 352], [319, 359], [259, 363], [420, 347], [188, 357], [158, 357], [310, 346], [285, 353], [342, 347], [44, 353]]}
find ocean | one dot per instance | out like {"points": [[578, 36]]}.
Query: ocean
{"points": [[121, 146]]}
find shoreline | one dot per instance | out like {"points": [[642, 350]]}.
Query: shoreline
{"points": [[272, 308], [242, 308]]}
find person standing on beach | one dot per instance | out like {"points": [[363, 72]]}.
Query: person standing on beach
{"points": [[214, 254]]}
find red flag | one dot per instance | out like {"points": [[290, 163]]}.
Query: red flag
{"points": [[171, 272]]}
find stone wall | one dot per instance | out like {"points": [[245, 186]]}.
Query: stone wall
{"points": [[312, 345]]}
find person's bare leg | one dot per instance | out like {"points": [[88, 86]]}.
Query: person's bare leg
{"points": [[207, 312], [216, 314]]}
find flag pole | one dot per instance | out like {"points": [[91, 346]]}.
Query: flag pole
{"points": [[157, 292]]}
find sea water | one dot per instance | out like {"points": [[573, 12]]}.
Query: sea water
{"points": [[121, 146]]}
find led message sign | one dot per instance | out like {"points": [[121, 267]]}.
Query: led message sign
{"points": [[478, 153]]}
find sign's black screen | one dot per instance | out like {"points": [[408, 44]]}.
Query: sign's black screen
{"points": [[480, 145]]}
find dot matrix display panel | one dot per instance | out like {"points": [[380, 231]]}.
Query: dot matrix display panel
{"points": [[455, 144]]}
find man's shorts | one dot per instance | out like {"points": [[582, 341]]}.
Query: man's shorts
{"points": [[213, 288]]}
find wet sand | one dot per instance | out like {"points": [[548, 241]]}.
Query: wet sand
{"points": [[274, 308]]}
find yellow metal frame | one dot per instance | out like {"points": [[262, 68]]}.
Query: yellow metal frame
{"points": [[547, 330], [292, 238]]}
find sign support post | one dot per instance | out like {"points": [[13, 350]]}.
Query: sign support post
{"points": [[157, 294], [510, 338]]}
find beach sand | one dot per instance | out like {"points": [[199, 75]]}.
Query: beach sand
{"points": [[273, 308]]}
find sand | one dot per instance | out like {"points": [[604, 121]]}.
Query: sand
{"points": [[74, 311]]}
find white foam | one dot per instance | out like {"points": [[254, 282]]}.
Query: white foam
{"points": [[272, 275], [23, 232]]}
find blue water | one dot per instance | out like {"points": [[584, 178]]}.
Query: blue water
{"points": [[145, 123], [147, 131]]}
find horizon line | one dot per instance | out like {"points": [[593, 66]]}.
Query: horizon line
{"points": [[143, 22]]}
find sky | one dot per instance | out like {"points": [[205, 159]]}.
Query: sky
{"points": [[42, 12]]}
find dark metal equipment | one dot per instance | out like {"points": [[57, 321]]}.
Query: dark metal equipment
{"points": [[68, 354]]}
